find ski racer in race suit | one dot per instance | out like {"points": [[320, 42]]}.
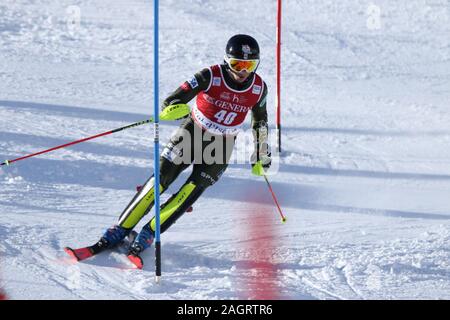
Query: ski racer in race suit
{"points": [[225, 94]]}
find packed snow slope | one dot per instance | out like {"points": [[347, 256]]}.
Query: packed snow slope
{"points": [[364, 177]]}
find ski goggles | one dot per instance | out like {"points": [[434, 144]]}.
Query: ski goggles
{"points": [[239, 65]]}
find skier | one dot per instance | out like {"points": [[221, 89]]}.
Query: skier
{"points": [[225, 93]]}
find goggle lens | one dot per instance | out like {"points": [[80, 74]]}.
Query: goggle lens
{"points": [[239, 65]]}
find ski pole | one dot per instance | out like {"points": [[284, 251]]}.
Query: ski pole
{"points": [[258, 170], [8, 162], [283, 218], [171, 112]]}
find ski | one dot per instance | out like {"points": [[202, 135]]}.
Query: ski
{"points": [[84, 253], [81, 254], [136, 260]]}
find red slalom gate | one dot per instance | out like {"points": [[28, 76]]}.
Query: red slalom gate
{"points": [[278, 79]]}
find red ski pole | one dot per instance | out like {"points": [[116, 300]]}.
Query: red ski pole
{"points": [[170, 113], [8, 162], [283, 218]]}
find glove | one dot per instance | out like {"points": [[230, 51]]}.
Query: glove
{"points": [[175, 112], [260, 163]]}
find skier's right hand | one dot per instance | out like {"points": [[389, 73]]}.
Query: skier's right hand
{"points": [[175, 111]]}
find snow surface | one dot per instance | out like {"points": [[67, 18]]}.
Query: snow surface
{"points": [[364, 177]]}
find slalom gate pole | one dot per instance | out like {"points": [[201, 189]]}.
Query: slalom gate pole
{"points": [[156, 151], [8, 162], [278, 88], [283, 218]]}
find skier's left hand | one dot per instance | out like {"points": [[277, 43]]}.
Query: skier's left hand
{"points": [[263, 160]]}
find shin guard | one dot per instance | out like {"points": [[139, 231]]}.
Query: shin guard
{"points": [[177, 205]]}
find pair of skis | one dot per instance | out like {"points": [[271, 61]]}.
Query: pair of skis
{"points": [[84, 253]]}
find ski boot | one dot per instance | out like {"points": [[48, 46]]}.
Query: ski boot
{"points": [[111, 238], [142, 242]]}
